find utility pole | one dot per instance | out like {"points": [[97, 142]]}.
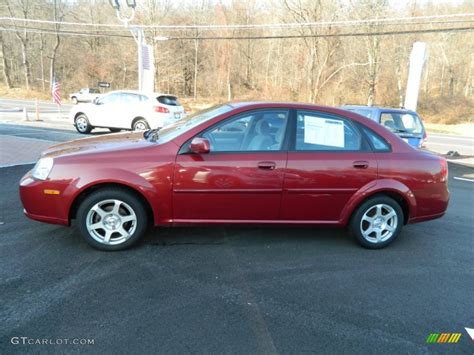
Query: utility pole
{"points": [[137, 33], [139, 40], [417, 61]]}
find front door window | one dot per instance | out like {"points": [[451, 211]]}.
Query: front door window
{"points": [[254, 131]]}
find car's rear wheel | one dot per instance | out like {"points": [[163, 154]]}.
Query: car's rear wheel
{"points": [[140, 125], [114, 130], [377, 222], [112, 219], [82, 124], [74, 100]]}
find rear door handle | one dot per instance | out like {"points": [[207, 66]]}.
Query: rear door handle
{"points": [[269, 165], [360, 164]]}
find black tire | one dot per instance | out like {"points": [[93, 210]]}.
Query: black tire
{"points": [[81, 122], [74, 100], [114, 130], [374, 238], [105, 199], [141, 122]]}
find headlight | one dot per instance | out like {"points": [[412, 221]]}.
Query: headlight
{"points": [[42, 168]]}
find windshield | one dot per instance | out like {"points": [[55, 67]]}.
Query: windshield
{"points": [[189, 122], [402, 122], [168, 100]]}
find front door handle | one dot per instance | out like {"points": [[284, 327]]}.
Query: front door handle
{"points": [[269, 165], [360, 164]]}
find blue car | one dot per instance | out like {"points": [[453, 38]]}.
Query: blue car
{"points": [[405, 123]]}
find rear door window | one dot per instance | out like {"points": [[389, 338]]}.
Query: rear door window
{"points": [[168, 100], [317, 131]]}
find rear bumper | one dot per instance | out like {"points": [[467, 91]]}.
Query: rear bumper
{"points": [[426, 218], [432, 203]]}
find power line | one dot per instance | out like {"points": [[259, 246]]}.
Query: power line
{"points": [[119, 30], [251, 26], [345, 34], [62, 33]]}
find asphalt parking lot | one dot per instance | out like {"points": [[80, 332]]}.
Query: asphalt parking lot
{"points": [[237, 290]]}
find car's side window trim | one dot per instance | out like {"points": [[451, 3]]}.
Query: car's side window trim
{"points": [[364, 144], [284, 146]]}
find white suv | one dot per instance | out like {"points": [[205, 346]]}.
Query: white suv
{"points": [[132, 110]]}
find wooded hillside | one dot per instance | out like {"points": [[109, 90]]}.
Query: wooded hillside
{"points": [[332, 61]]}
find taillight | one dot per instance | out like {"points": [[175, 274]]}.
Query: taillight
{"points": [[161, 109], [444, 170], [423, 141]]}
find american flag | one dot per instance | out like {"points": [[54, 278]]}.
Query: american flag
{"points": [[145, 57], [56, 92]]}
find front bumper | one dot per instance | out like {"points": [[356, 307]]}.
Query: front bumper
{"points": [[41, 206]]}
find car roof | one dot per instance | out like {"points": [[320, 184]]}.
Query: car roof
{"points": [[147, 93], [379, 108], [250, 105], [268, 104]]}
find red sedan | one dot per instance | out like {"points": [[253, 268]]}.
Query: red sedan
{"points": [[240, 163]]}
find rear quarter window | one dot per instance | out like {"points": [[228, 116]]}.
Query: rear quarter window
{"points": [[378, 143], [168, 100]]}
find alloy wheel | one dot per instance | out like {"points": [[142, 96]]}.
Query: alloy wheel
{"points": [[379, 223], [140, 126], [81, 124], [111, 222]]}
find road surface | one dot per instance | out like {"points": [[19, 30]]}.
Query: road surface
{"points": [[30, 105], [441, 143]]}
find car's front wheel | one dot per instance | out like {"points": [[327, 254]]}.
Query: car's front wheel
{"points": [[377, 222], [82, 124], [112, 219]]}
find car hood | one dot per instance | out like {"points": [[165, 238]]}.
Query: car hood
{"points": [[103, 143]]}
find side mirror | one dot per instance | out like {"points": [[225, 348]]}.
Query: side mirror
{"points": [[200, 146]]}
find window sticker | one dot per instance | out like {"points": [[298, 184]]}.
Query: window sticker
{"points": [[323, 131]]}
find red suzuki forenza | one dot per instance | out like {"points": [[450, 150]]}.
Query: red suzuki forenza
{"points": [[240, 163]]}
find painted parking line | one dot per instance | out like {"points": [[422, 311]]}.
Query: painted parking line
{"points": [[463, 179]]}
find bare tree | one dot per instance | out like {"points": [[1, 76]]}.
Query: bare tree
{"points": [[310, 67], [23, 36], [5, 66], [58, 16]]}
